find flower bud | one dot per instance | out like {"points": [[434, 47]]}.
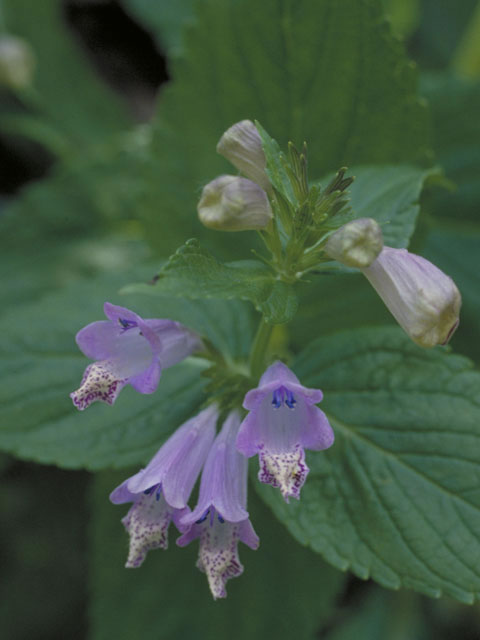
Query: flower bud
{"points": [[230, 203], [17, 62], [242, 146], [356, 244], [424, 301]]}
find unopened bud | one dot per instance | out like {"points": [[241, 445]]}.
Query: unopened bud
{"points": [[424, 301], [230, 203], [356, 244], [17, 62], [242, 146]]}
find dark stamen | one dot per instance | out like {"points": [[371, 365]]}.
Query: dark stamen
{"points": [[203, 518]]}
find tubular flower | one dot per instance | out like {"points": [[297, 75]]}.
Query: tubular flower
{"points": [[220, 519], [241, 144], [128, 350], [424, 301], [282, 421], [160, 491], [230, 203]]}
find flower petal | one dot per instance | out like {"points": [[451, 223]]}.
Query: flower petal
{"points": [[224, 478], [178, 462], [100, 382], [147, 523], [98, 340], [218, 551], [286, 471], [147, 381]]}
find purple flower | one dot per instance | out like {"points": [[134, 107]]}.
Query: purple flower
{"points": [[220, 518], [160, 491], [424, 301], [282, 421], [128, 350]]}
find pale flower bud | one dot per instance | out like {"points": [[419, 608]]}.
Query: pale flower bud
{"points": [[356, 244], [17, 62], [242, 146], [230, 203], [424, 301]]}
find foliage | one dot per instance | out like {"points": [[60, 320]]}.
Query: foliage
{"points": [[396, 498]]}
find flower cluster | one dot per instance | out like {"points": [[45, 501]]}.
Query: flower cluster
{"points": [[279, 419], [282, 421]]}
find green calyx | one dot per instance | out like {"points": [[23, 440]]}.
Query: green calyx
{"points": [[304, 215]]}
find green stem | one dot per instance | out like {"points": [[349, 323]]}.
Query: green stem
{"points": [[259, 348]]}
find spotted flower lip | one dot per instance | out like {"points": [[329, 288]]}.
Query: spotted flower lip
{"points": [[220, 519], [282, 422], [160, 491], [128, 350]]}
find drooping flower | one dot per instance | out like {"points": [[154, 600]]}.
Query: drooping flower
{"points": [[160, 491], [424, 301], [283, 421], [128, 350], [220, 519], [241, 144], [230, 203], [356, 244]]}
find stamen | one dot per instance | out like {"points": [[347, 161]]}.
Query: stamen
{"points": [[127, 324], [290, 399], [282, 395], [203, 518], [277, 398]]}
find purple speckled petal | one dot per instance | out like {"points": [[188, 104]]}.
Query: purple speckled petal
{"points": [[218, 551], [224, 479], [282, 421], [285, 471], [100, 382], [147, 523], [147, 381]]}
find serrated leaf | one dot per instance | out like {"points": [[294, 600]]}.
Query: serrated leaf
{"points": [[326, 72], [390, 195], [168, 597], [193, 272], [397, 496], [41, 365]]}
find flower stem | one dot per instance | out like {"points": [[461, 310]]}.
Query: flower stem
{"points": [[259, 348]]}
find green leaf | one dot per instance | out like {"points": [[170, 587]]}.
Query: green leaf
{"points": [[326, 72], [390, 195], [193, 272], [68, 93], [41, 365], [274, 166], [455, 105], [166, 21], [455, 251], [168, 597], [397, 496]]}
